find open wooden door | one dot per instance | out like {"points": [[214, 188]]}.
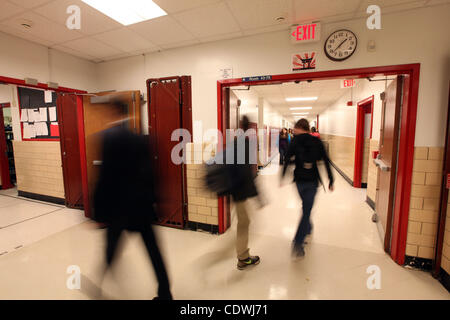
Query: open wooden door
{"points": [[67, 108], [96, 119], [169, 108], [387, 159]]}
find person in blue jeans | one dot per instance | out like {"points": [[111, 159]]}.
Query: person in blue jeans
{"points": [[307, 150]]}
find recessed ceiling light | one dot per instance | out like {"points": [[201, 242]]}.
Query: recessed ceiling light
{"points": [[302, 99], [127, 12], [301, 108]]}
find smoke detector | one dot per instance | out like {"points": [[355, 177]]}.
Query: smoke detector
{"points": [[27, 24]]}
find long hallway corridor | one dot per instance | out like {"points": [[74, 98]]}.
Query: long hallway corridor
{"points": [[203, 266]]}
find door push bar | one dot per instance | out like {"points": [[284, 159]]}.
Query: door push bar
{"points": [[97, 162], [380, 164]]}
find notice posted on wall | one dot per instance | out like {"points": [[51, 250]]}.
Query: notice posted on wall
{"points": [[304, 61]]}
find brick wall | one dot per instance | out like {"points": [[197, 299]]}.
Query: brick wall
{"points": [[341, 151], [424, 206], [202, 204], [445, 262], [365, 161], [372, 178], [39, 168]]}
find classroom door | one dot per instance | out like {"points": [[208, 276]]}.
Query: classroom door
{"points": [[97, 118], [70, 149], [5, 152], [387, 161], [169, 108]]}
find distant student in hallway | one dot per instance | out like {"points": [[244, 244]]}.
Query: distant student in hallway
{"points": [[283, 144], [314, 132], [307, 150], [124, 195]]}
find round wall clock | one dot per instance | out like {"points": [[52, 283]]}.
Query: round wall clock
{"points": [[340, 45]]}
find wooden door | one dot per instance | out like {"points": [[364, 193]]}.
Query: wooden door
{"points": [[5, 181], [96, 119], [392, 99], [169, 109], [70, 149]]}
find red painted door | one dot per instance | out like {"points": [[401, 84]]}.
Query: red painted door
{"points": [[392, 100], [70, 149], [169, 109], [5, 181]]}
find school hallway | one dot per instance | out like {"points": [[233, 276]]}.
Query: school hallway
{"points": [[203, 266]]}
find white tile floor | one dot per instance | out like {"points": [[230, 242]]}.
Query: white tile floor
{"points": [[203, 266]]}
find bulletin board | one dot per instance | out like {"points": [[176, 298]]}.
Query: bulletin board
{"points": [[38, 114]]}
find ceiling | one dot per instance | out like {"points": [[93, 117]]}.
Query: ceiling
{"points": [[188, 22], [326, 91]]}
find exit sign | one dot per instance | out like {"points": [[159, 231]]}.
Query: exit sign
{"points": [[304, 33], [348, 83]]}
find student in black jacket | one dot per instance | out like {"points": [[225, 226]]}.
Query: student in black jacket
{"points": [[124, 195], [307, 150]]}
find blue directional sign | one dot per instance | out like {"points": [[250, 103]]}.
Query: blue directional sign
{"points": [[258, 78]]}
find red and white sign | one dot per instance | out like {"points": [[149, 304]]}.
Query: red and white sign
{"points": [[305, 33], [348, 83], [304, 61]]}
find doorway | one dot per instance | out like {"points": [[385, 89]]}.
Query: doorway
{"points": [[7, 167], [364, 125], [406, 135]]}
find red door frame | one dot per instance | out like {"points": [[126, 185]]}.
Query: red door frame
{"points": [[407, 135], [359, 137], [81, 134], [4, 165]]}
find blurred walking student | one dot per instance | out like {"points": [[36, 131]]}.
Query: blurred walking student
{"points": [[307, 150], [314, 132], [124, 196], [283, 144], [243, 188]]}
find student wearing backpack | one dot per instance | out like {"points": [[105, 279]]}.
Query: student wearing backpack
{"points": [[307, 150]]}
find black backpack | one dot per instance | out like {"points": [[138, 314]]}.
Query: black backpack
{"points": [[220, 177]]}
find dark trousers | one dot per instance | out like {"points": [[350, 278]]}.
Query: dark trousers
{"points": [[283, 152], [113, 236], [307, 191]]}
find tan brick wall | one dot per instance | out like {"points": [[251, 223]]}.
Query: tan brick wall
{"points": [[372, 179], [341, 151], [39, 168], [365, 161], [445, 262], [202, 204], [424, 205]]}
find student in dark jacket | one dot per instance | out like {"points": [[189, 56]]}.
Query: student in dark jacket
{"points": [[124, 197], [244, 188], [283, 143], [307, 150]]}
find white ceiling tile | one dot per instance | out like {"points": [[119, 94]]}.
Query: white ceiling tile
{"points": [[252, 14], [73, 52], [274, 28], [163, 30], [92, 47], [8, 9], [319, 9], [208, 21], [124, 40], [222, 37], [24, 35], [42, 28], [180, 44], [436, 2], [92, 21], [173, 6], [29, 3]]}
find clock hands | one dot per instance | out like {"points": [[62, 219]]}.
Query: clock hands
{"points": [[340, 44]]}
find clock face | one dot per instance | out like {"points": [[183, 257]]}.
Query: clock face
{"points": [[340, 45]]}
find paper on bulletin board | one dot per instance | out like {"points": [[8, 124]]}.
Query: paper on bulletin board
{"points": [[52, 113], [48, 96], [29, 131], [41, 129], [43, 114], [24, 116], [54, 129]]}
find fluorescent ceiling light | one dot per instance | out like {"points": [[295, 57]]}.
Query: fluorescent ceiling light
{"points": [[300, 113], [301, 108], [127, 12], [302, 99]]}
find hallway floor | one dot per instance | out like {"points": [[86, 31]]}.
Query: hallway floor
{"points": [[203, 266]]}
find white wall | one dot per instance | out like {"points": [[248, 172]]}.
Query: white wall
{"points": [[412, 36], [340, 119], [24, 59]]}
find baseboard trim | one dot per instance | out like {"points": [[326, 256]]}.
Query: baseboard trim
{"points": [[371, 203], [444, 279], [41, 197], [418, 263], [350, 181], [194, 226]]}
